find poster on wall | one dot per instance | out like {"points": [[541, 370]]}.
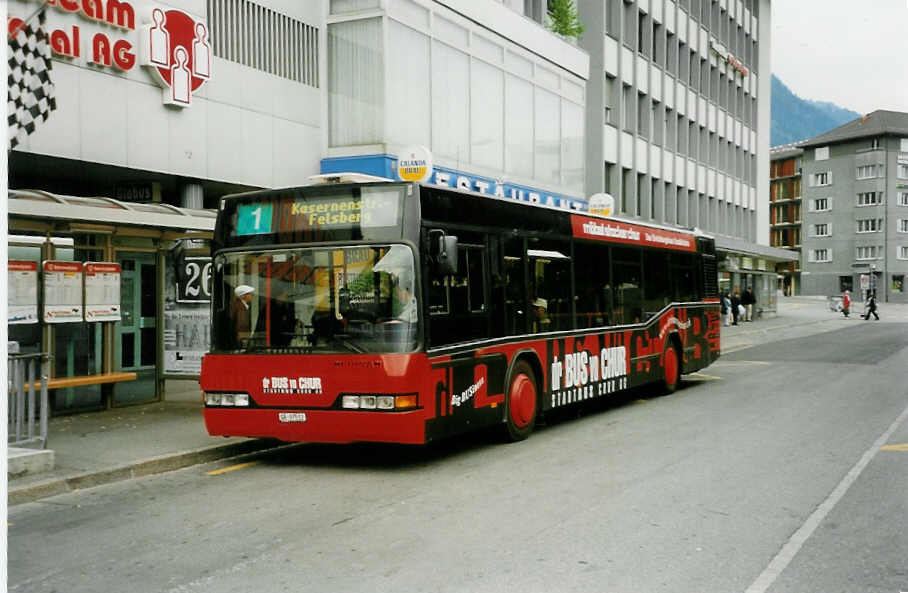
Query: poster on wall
{"points": [[187, 310], [62, 291], [102, 291], [22, 292]]}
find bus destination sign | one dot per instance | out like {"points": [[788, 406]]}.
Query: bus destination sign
{"points": [[613, 231], [300, 213]]}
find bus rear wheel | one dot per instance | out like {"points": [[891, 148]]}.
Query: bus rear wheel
{"points": [[522, 402], [671, 368]]}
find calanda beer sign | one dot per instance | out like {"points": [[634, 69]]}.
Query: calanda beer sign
{"points": [[171, 44]]}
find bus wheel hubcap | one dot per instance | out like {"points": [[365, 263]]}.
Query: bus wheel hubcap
{"points": [[671, 366], [522, 401]]}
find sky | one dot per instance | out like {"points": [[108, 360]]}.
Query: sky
{"points": [[853, 53]]}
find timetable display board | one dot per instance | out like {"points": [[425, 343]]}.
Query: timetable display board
{"points": [[22, 292], [102, 291], [62, 291], [187, 312]]}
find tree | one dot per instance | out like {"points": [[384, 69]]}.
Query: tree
{"points": [[564, 18]]}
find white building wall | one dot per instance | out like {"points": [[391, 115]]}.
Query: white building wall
{"points": [[244, 126]]}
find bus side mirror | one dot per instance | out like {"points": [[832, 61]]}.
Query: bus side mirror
{"points": [[443, 249]]}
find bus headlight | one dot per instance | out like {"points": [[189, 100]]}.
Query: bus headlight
{"points": [[378, 402], [216, 398]]}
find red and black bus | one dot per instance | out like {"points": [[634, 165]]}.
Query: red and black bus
{"points": [[405, 313]]}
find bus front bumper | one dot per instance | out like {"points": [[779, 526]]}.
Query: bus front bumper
{"points": [[318, 426]]}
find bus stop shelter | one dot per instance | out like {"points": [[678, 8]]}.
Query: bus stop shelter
{"points": [[116, 293]]}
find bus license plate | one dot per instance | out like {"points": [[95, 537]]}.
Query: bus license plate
{"points": [[291, 416]]}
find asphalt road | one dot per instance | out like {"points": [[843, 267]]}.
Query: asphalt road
{"points": [[782, 467]]}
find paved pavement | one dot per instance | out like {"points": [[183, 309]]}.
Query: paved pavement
{"points": [[103, 447]]}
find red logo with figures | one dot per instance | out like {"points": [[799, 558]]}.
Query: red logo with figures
{"points": [[177, 51]]}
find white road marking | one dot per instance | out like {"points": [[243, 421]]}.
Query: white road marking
{"points": [[794, 544]]}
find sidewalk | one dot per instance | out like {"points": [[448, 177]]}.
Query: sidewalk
{"points": [[103, 447], [801, 316], [97, 448]]}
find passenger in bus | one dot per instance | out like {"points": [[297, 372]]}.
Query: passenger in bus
{"points": [[240, 317], [404, 301], [541, 321]]}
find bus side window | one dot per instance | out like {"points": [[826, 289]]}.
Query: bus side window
{"points": [[593, 292], [515, 294], [684, 275], [628, 293], [457, 303], [657, 285], [550, 285]]}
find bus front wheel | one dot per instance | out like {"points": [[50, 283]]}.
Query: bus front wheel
{"points": [[521, 402]]}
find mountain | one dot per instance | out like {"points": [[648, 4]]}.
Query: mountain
{"points": [[794, 118]]}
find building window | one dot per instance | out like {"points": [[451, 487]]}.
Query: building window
{"points": [[871, 198], [820, 256], [355, 83], [250, 34], [903, 225], [902, 198], [820, 204], [903, 251], [821, 179], [629, 107], [630, 25], [643, 115], [865, 252], [612, 17], [903, 171], [868, 171], [822, 230], [821, 153], [898, 283], [611, 100], [533, 9], [869, 225], [874, 143]]}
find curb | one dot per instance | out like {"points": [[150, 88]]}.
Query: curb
{"points": [[147, 467]]}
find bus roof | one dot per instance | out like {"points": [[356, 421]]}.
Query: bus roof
{"points": [[353, 179]]}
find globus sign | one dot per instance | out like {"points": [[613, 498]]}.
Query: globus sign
{"points": [[172, 44]]}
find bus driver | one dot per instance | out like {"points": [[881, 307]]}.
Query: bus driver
{"points": [[404, 301]]}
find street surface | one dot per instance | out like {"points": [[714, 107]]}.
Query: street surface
{"points": [[781, 468]]}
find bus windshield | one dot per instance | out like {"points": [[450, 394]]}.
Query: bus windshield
{"points": [[322, 300]]}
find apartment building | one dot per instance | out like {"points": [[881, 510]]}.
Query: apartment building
{"points": [[785, 212], [678, 123], [856, 215]]}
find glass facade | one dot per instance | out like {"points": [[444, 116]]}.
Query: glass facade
{"points": [[481, 103]]}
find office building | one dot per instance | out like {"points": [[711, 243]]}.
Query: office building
{"points": [[678, 122]]}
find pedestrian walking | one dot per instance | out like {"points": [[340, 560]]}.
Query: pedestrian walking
{"points": [[871, 308], [735, 303], [846, 303]]}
